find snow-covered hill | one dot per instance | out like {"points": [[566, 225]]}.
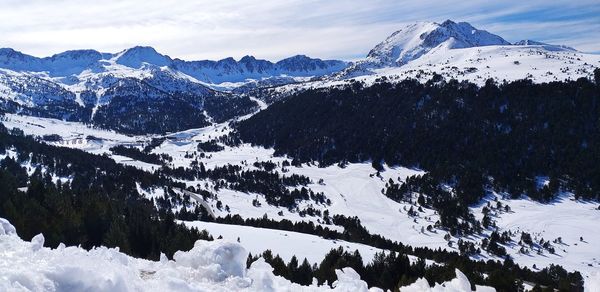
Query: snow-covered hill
{"points": [[459, 51], [208, 266], [539, 63], [420, 45], [81, 85], [415, 40], [354, 190]]}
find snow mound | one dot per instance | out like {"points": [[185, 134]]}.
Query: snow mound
{"points": [[215, 260], [6, 228], [458, 284], [208, 266]]}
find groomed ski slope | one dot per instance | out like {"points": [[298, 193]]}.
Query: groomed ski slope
{"points": [[208, 266]]}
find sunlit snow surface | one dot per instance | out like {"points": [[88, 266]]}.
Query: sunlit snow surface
{"points": [[284, 243], [565, 217], [208, 266], [537, 63], [354, 191]]}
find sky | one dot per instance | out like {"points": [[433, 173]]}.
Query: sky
{"points": [[275, 29]]}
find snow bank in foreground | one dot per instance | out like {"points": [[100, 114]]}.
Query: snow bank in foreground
{"points": [[208, 266], [460, 283]]}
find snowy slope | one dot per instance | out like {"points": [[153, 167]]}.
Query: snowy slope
{"points": [[284, 243], [79, 136], [534, 62], [74, 135], [538, 63], [459, 51], [415, 40], [208, 266], [564, 217], [354, 191]]}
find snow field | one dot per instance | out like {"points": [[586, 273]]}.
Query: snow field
{"points": [[356, 191], [208, 266]]}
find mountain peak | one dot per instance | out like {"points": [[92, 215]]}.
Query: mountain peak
{"points": [[417, 39], [303, 63], [13, 54], [78, 55], [142, 49], [247, 58], [15, 60], [135, 57], [448, 22], [299, 57]]}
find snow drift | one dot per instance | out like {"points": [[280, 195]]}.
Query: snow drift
{"points": [[208, 266]]}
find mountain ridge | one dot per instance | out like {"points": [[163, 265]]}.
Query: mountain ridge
{"points": [[78, 84], [415, 40], [138, 56]]}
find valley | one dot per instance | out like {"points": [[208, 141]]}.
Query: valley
{"points": [[445, 150]]}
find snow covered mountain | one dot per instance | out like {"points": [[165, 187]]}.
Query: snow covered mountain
{"points": [[248, 67], [128, 90], [70, 64], [461, 51], [415, 40], [81, 85]]}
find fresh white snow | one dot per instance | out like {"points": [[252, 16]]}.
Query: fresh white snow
{"points": [[286, 244], [564, 217], [209, 266], [354, 191]]}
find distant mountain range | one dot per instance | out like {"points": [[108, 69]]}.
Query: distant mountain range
{"points": [[140, 90], [76, 62]]}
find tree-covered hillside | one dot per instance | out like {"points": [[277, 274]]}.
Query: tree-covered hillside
{"points": [[498, 136]]}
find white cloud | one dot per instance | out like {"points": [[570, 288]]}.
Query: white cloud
{"points": [[271, 29]]}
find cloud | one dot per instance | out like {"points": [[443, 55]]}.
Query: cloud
{"points": [[274, 29]]}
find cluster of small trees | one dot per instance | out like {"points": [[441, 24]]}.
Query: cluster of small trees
{"points": [[278, 189], [144, 156], [387, 270]]}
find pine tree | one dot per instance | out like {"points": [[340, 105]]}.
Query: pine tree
{"points": [[117, 236], [304, 273]]}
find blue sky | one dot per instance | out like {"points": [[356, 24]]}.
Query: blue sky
{"points": [[274, 29]]}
